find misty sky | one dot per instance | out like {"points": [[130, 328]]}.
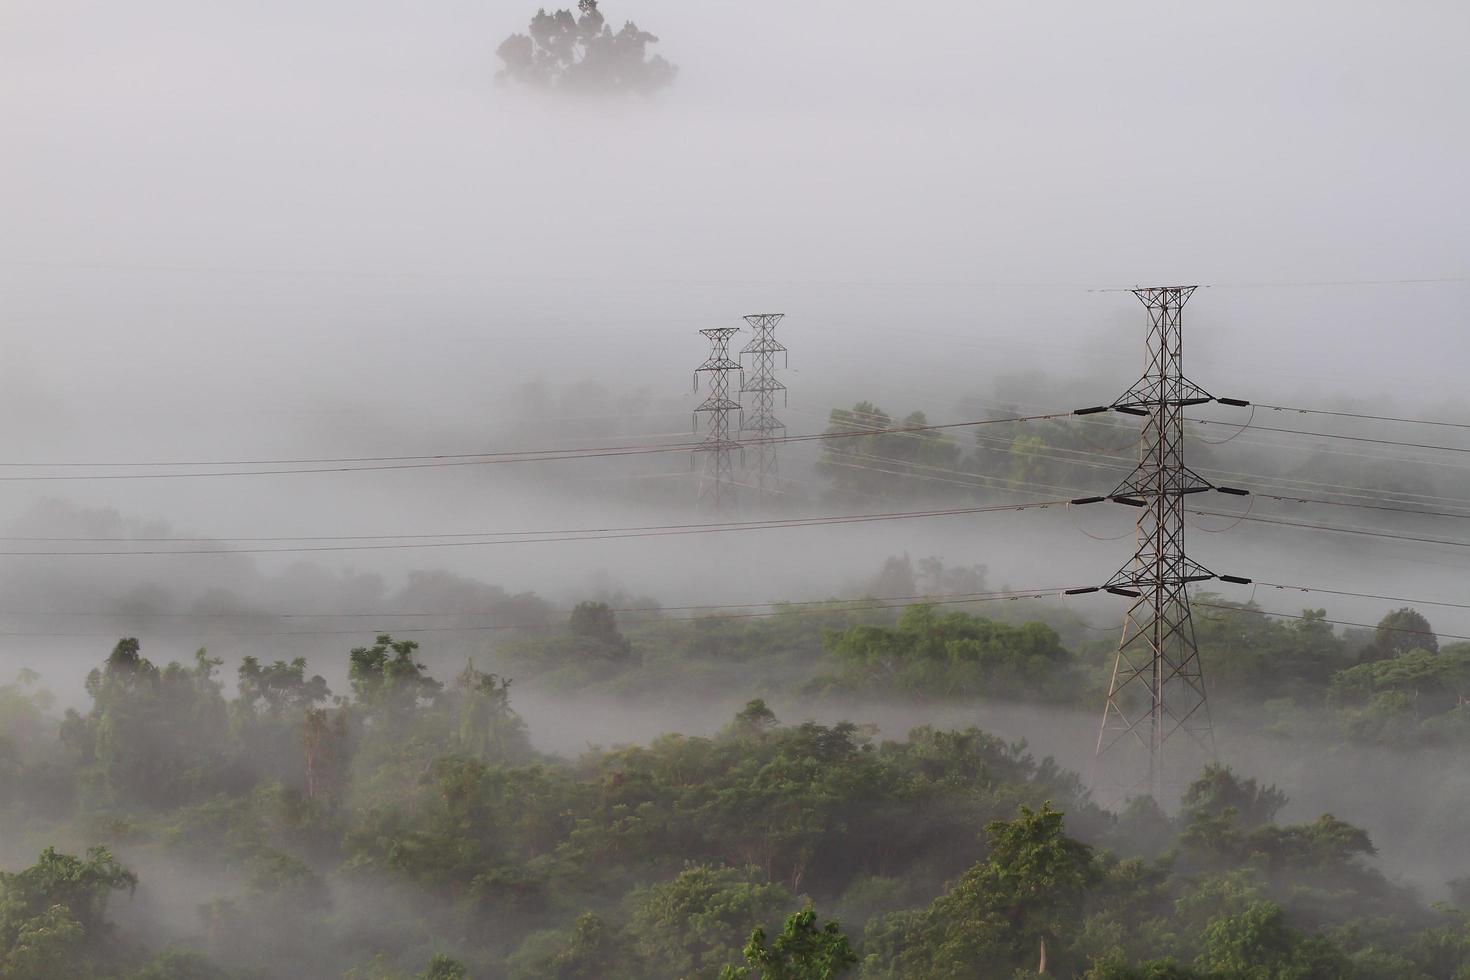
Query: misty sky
{"points": [[272, 228], [359, 197]]}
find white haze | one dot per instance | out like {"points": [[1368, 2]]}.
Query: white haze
{"points": [[268, 230]]}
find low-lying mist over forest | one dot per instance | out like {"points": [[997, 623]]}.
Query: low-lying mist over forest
{"points": [[368, 610]]}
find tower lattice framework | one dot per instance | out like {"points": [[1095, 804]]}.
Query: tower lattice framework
{"points": [[717, 481], [1157, 706], [761, 427]]}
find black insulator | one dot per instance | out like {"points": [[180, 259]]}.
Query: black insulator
{"points": [[1089, 500], [1234, 491], [1091, 588], [1130, 501], [1130, 409], [1235, 579], [1091, 411], [1194, 401], [1198, 578], [1127, 592], [1195, 490], [1237, 402]]}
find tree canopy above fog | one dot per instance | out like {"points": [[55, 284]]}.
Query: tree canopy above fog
{"points": [[564, 52]]}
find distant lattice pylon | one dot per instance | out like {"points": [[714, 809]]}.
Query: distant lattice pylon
{"points": [[717, 481], [761, 426]]}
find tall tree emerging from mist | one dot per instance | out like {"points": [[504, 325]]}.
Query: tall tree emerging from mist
{"points": [[596, 621], [582, 55], [1401, 631], [387, 680], [152, 737]]}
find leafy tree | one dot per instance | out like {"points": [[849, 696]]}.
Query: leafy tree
{"points": [[869, 461], [442, 967], [597, 622], [27, 736], [488, 728], [592, 647], [40, 946], [1386, 700], [695, 924], [593, 950], [152, 736], [954, 654], [1218, 790], [935, 578], [22, 710], [753, 720], [1015, 909], [800, 952], [1152, 970], [279, 687], [1247, 652], [387, 680], [1401, 631], [1143, 827], [564, 52], [278, 724], [1257, 944], [896, 578], [53, 914]]}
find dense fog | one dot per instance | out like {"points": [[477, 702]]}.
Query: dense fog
{"points": [[298, 301]]}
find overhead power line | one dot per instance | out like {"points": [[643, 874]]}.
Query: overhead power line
{"points": [[458, 538], [1342, 437], [622, 610], [1334, 622], [1286, 487], [1344, 503], [777, 606], [1361, 415], [804, 607], [811, 608], [380, 463], [1367, 532], [582, 534], [1425, 281], [1251, 425], [976, 481], [1363, 595]]}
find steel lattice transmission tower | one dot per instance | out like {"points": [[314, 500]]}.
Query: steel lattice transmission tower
{"points": [[760, 425], [717, 482], [1157, 706]]}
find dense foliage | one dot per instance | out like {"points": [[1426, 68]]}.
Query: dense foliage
{"points": [[408, 828]]}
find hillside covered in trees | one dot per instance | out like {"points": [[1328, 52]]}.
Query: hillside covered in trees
{"points": [[405, 826]]}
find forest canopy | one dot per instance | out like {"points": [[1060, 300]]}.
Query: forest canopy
{"points": [[408, 828]]}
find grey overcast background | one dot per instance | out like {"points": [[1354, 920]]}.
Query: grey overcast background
{"points": [[236, 231]]}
